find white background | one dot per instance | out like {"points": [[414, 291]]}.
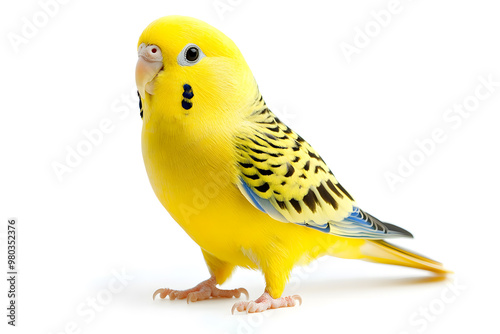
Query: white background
{"points": [[102, 217]]}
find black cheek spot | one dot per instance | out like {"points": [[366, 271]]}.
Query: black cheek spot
{"points": [[188, 92], [187, 96], [186, 104]]}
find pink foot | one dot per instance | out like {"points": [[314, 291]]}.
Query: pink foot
{"points": [[204, 290], [266, 302]]}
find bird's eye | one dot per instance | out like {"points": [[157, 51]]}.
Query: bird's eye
{"points": [[190, 55]]}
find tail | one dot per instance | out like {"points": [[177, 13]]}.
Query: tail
{"points": [[380, 251]]}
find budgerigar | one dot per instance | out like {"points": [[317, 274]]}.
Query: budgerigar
{"points": [[245, 187]]}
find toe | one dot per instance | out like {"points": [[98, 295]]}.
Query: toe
{"points": [[162, 292], [252, 307], [266, 302], [239, 306], [174, 295]]}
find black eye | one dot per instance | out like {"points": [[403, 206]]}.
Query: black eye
{"points": [[192, 53]]}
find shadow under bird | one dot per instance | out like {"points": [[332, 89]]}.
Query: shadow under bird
{"points": [[245, 187]]}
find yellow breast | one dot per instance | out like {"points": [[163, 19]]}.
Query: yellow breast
{"points": [[196, 183], [194, 180]]}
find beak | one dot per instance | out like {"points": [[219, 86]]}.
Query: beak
{"points": [[150, 62]]}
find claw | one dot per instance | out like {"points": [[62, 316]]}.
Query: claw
{"points": [[190, 298], [160, 291], [205, 290], [245, 292], [235, 306], [266, 302], [297, 298]]}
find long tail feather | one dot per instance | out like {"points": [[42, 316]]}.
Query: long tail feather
{"points": [[380, 251]]}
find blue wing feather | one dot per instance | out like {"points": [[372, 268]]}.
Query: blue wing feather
{"points": [[260, 203], [358, 224]]}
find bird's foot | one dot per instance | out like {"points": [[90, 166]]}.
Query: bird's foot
{"points": [[205, 290], [266, 302]]}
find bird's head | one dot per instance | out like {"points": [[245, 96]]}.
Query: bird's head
{"points": [[188, 70]]}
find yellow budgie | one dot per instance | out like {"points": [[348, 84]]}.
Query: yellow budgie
{"points": [[246, 188]]}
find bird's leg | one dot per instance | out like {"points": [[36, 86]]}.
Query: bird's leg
{"points": [[205, 290], [266, 302]]}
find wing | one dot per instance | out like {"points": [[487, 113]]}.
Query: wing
{"points": [[283, 176]]}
